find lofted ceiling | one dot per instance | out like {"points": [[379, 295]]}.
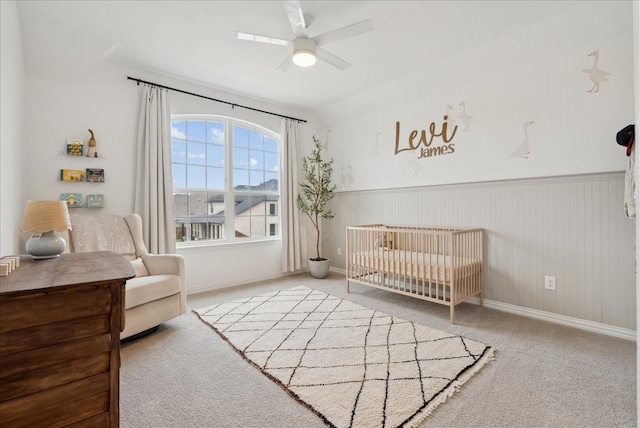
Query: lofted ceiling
{"points": [[196, 41]]}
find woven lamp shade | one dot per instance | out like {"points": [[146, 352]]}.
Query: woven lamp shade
{"points": [[45, 216]]}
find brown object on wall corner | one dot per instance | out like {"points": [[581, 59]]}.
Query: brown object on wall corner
{"points": [[625, 137]]}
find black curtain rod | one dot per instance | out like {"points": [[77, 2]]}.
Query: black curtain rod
{"points": [[233, 105]]}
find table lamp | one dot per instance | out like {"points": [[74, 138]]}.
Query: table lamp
{"points": [[44, 218]]}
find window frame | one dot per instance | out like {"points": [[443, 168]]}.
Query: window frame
{"points": [[228, 191]]}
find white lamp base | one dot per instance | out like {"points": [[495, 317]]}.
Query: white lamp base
{"points": [[46, 245]]}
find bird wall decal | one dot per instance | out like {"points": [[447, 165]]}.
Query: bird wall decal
{"points": [[449, 114], [346, 177], [523, 151], [415, 166], [466, 119], [596, 75], [374, 151]]}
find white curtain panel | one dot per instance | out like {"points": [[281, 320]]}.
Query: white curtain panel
{"points": [[294, 253], [154, 183]]}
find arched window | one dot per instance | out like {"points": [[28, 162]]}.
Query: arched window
{"points": [[226, 175]]}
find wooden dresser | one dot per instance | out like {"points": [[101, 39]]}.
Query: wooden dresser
{"points": [[60, 324]]}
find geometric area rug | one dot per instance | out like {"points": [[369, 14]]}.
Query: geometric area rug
{"points": [[351, 365]]}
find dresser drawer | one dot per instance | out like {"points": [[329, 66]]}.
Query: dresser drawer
{"points": [[51, 334], [59, 368], [19, 312], [61, 406]]}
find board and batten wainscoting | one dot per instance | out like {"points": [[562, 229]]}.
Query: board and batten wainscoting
{"points": [[569, 227]]}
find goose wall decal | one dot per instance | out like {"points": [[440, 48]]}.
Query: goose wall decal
{"points": [[449, 114], [374, 151], [346, 177], [415, 166], [596, 75], [523, 150], [466, 119]]}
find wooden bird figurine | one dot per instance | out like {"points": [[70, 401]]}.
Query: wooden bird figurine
{"points": [[92, 152]]}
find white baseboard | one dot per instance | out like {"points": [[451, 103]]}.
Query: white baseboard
{"points": [[609, 330], [596, 327]]}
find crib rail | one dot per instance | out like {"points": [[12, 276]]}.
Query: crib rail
{"points": [[439, 264]]}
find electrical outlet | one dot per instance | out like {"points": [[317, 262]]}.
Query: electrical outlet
{"points": [[550, 282], [339, 251]]}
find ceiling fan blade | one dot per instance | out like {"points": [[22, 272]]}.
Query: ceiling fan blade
{"points": [[262, 39], [344, 32], [332, 59], [295, 15], [286, 64]]}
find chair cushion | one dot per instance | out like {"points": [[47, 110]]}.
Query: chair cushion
{"points": [[141, 290]]}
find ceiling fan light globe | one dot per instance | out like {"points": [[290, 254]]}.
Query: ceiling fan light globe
{"points": [[304, 58]]}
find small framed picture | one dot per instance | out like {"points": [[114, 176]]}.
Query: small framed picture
{"points": [[95, 175], [71, 175], [74, 200], [95, 201], [75, 147]]}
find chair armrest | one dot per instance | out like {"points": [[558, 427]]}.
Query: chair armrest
{"points": [[168, 264], [164, 264]]}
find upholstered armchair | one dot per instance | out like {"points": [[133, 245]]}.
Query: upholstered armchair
{"points": [[157, 293]]}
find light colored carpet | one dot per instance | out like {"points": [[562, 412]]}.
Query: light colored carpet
{"points": [[353, 366], [544, 375]]}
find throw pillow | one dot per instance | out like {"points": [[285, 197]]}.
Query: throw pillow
{"points": [[141, 269], [384, 241]]}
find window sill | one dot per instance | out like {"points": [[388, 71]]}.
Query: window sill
{"points": [[194, 246]]}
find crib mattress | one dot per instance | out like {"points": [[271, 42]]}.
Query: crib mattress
{"points": [[422, 266]]}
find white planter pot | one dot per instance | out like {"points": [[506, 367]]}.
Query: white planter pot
{"points": [[319, 268]]}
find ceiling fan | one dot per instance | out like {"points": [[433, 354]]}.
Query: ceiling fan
{"points": [[307, 49]]}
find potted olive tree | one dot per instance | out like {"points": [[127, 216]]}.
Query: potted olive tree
{"points": [[316, 191]]}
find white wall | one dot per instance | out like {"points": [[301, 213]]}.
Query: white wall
{"points": [[535, 74], [108, 103], [553, 213], [12, 139], [62, 109], [500, 83], [570, 227]]}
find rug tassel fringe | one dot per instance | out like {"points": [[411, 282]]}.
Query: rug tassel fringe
{"points": [[455, 387]]}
